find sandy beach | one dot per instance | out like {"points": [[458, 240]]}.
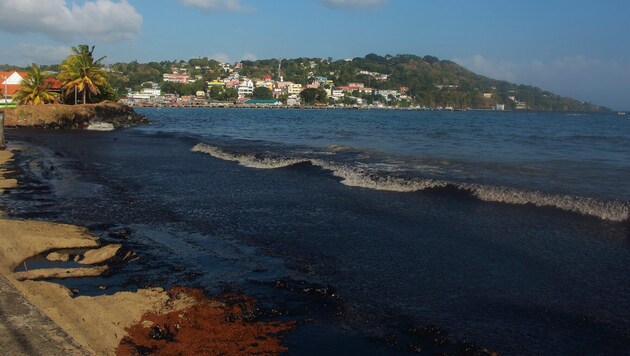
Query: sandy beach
{"points": [[100, 323]]}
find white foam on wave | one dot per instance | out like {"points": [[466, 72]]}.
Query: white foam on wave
{"points": [[361, 178], [606, 210], [247, 160]]}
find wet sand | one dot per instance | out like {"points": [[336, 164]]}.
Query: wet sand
{"points": [[100, 323]]}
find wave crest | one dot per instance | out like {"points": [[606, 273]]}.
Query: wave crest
{"points": [[356, 177], [247, 160]]}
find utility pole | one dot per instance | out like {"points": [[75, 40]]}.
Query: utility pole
{"points": [[2, 114], [5, 91], [1, 129]]}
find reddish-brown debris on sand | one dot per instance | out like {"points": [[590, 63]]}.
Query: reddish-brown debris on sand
{"points": [[209, 327]]}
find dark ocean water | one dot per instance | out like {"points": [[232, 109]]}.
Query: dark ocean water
{"points": [[506, 229]]}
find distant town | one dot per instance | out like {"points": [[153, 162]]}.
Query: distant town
{"points": [[373, 81], [267, 92]]}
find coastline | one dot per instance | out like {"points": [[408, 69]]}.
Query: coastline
{"points": [[132, 180], [73, 116], [100, 324]]}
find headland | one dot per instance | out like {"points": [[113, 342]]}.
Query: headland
{"points": [[72, 116]]}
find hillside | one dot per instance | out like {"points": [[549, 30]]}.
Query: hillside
{"points": [[431, 82], [426, 81]]}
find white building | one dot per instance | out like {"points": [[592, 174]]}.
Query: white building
{"points": [[337, 93], [295, 89], [388, 93], [146, 93], [176, 78], [245, 88]]}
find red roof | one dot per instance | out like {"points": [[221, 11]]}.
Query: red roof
{"points": [[9, 88], [54, 83], [12, 88]]}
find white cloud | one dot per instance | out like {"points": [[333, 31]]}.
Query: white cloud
{"points": [[221, 57], [354, 3], [576, 62], [249, 57], [494, 69], [218, 5], [43, 54], [105, 20], [25, 54]]}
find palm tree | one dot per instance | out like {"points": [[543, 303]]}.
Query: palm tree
{"points": [[81, 72], [35, 88]]}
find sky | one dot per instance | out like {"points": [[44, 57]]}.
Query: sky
{"points": [[575, 48]]}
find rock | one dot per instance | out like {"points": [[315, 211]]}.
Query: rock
{"points": [[48, 273], [120, 234], [73, 116], [57, 256], [100, 126], [100, 255]]}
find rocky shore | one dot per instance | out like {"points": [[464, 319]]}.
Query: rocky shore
{"points": [[149, 320], [103, 115]]}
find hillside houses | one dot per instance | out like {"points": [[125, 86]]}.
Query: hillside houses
{"points": [[237, 83]]}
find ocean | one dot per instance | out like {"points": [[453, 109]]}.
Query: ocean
{"points": [[379, 231]]}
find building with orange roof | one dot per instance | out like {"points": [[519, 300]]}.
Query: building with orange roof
{"points": [[11, 81]]}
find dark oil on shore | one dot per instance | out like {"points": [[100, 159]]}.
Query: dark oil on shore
{"points": [[370, 271]]}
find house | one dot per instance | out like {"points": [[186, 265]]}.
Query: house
{"points": [[176, 78], [521, 105], [336, 93], [387, 93], [295, 89], [10, 82], [267, 83], [351, 87], [245, 88], [216, 83]]}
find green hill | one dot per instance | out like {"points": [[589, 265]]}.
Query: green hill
{"points": [[430, 82]]}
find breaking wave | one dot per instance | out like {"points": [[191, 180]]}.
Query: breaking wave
{"points": [[355, 176]]}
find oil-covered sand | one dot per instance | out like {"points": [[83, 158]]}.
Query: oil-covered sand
{"points": [[156, 320], [360, 270]]}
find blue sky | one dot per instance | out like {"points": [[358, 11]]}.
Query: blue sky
{"points": [[576, 48]]}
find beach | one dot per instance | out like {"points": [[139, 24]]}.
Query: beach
{"points": [[367, 242], [97, 325]]}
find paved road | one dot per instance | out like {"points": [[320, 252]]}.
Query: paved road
{"points": [[24, 330]]}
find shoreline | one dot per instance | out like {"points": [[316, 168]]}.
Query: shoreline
{"points": [[102, 324], [127, 180], [230, 105], [82, 116]]}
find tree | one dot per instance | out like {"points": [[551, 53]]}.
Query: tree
{"points": [[262, 93], [81, 71], [35, 88], [311, 95]]}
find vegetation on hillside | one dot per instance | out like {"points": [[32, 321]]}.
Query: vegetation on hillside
{"points": [[429, 81]]}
